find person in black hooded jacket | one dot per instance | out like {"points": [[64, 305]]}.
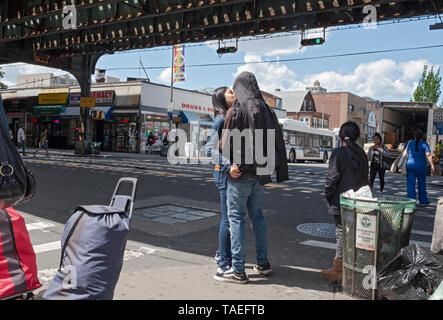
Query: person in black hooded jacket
{"points": [[348, 169], [245, 193]]}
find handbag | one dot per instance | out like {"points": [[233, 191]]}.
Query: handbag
{"points": [[16, 182], [400, 162]]}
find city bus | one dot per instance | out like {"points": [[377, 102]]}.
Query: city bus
{"points": [[304, 143]]}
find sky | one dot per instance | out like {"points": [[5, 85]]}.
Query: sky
{"points": [[383, 76]]}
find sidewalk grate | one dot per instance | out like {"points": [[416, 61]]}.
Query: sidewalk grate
{"points": [[172, 214], [322, 230]]}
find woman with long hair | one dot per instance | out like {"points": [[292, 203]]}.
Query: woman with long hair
{"points": [[348, 169], [222, 100], [418, 153], [375, 155]]}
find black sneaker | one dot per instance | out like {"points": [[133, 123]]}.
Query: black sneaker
{"points": [[263, 268], [231, 276]]}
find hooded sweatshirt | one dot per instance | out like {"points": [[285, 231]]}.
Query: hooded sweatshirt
{"points": [[250, 111], [343, 174]]}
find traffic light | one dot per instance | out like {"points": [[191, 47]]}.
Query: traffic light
{"points": [[312, 42], [224, 50]]}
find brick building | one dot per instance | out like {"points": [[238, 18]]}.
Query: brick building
{"points": [[342, 107]]}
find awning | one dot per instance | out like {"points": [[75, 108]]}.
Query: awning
{"points": [[48, 110], [125, 111], [192, 118], [70, 112]]}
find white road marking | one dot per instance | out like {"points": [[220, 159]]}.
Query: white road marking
{"points": [[38, 226], [46, 247], [321, 244]]}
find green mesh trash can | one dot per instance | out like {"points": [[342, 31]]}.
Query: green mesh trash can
{"points": [[374, 231]]}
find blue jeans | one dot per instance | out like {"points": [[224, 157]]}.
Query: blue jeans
{"points": [[22, 145], [417, 173], [224, 235], [246, 194]]}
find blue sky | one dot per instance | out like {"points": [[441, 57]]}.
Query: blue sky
{"points": [[386, 76]]}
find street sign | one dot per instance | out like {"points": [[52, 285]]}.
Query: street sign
{"points": [[170, 107], [87, 102]]}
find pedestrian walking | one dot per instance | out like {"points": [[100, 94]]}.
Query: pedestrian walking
{"points": [[44, 141], [375, 155], [222, 101], [11, 135], [348, 169], [416, 167], [21, 139], [245, 191]]}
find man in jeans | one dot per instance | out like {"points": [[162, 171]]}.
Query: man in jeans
{"points": [[21, 138], [245, 191]]}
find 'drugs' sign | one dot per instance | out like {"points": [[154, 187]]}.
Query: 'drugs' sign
{"points": [[366, 232]]}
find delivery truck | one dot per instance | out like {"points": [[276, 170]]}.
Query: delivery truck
{"points": [[398, 121]]}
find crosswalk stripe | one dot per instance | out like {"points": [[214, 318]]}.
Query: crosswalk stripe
{"points": [[38, 226], [321, 244], [46, 247], [330, 245]]}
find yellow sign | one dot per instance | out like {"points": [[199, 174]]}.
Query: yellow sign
{"points": [[87, 102], [52, 98]]}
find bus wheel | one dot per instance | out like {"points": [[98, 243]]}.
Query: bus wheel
{"points": [[292, 156], [325, 157]]}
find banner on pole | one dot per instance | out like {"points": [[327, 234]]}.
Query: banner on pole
{"points": [[179, 63]]}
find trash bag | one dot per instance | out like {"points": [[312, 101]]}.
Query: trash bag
{"points": [[414, 274]]}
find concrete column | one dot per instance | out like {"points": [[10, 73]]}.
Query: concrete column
{"points": [[437, 235]]}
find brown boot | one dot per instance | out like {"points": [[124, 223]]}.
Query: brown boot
{"points": [[335, 273]]}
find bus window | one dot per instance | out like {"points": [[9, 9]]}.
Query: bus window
{"points": [[326, 142], [292, 139], [307, 139], [315, 140], [300, 137], [285, 136]]}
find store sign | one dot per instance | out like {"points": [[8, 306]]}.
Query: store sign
{"points": [[366, 232], [101, 97], [196, 108], [87, 102], [52, 98]]}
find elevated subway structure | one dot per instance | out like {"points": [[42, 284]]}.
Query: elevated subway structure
{"points": [[39, 31]]}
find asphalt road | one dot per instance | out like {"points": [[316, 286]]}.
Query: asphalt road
{"points": [[64, 182]]}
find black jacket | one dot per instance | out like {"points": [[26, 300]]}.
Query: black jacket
{"points": [[250, 111], [342, 174]]}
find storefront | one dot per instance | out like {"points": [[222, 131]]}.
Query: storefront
{"points": [[193, 110], [100, 124], [19, 111], [126, 130]]}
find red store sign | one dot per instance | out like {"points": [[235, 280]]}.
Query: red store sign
{"points": [[196, 107]]}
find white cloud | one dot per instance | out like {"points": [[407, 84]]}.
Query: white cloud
{"points": [[270, 76], [165, 76], [383, 79]]}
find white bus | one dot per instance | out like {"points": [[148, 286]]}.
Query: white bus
{"points": [[304, 143]]}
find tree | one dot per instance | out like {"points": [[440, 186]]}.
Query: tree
{"points": [[2, 85], [428, 89]]}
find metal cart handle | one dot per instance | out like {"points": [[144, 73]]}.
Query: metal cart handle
{"points": [[133, 194]]}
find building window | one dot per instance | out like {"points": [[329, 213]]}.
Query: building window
{"points": [[315, 122], [350, 108]]}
